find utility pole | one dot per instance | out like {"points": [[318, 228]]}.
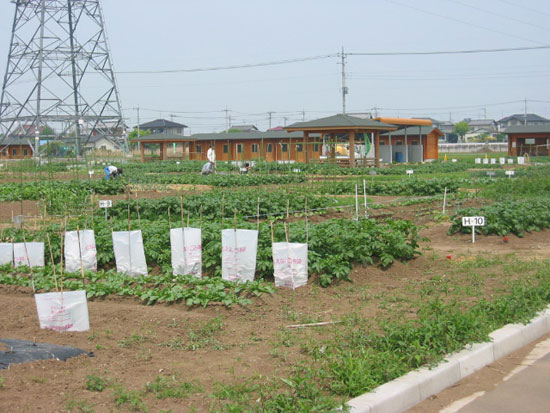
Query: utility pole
{"points": [[484, 113], [344, 87], [303, 115], [284, 120], [227, 118], [525, 112], [269, 114]]}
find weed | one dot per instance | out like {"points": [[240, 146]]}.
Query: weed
{"points": [[169, 387], [96, 383], [132, 398], [82, 406], [133, 340], [2, 381]]}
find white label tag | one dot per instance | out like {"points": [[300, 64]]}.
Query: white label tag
{"points": [[473, 221], [107, 203]]}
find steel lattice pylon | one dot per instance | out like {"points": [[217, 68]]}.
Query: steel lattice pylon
{"points": [[59, 78]]}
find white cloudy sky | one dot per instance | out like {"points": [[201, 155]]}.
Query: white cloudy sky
{"points": [[175, 34]]}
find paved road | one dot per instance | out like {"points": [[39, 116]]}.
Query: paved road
{"points": [[527, 391]]}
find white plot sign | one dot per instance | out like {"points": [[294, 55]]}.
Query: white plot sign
{"points": [[65, 311], [28, 253], [409, 172], [129, 252], [186, 248], [290, 264], [239, 247], [80, 250], [6, 253], [106, 203], [473, 222]]}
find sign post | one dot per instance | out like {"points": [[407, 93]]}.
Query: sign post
{"points": [[473, 222], [107, 203], [510, 174], [409, 172]]}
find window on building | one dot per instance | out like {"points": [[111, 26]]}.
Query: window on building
{"points": [[225, 148], [239, 148], [4, 153], [414, 143], [14, 152], [25, 152], [269, 148], [399, 143], [299, 147], [199, 149], [255, 148], [382, 143], [284, 147], [315, 147]]}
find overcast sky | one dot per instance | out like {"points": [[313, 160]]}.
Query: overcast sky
{"points": [[175, 34]]}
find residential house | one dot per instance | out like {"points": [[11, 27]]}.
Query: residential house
{"points": [[521, 119], [163, 126], [16, 148], [243, 128], [101, 142], [479, 126]]}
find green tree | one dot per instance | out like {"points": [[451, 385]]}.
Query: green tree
{"points": [[142, 132], [461, 129]]}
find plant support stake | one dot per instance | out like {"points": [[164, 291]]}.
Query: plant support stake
{"points": [[445, 201]]}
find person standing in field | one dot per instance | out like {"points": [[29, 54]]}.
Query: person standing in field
{"points": [[112, 171], [211, 156]]}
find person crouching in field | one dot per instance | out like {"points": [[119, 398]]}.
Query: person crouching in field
{"points": [[112, 171]]}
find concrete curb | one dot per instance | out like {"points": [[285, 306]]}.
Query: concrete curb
{"points": [[409, 390]]}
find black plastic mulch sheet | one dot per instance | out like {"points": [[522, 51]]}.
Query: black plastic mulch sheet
{"points": [[23, 351]]}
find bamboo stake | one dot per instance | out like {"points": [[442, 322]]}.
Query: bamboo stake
{"points": [[181, 211], [169, 219], [286, 232], [28, 259], [200, 217], [80, 256], [365, 197], [258, 215], [307, 224], [223, 207], [272, 235], [53, 263], [61, 256], [287, 208], [324, 323]]}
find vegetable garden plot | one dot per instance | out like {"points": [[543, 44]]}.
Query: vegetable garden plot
{"points": [[35, 251], [129, 252], [63, 311], [6, 253], [80, 250], [186, 248], [239, 248], [290, 264]]}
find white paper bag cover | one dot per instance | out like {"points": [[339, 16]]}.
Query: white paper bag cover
{"points": [[79, 243], [6, 253], [129, 252], [66, 311], [35, 251], [290, 264], [186, 248], [239, 249]]}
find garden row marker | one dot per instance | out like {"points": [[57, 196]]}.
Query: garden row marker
{"points": [[510, 174], [473, 222], [223, 206], [105, 204], [287, 207], [28, 258], [409, 172], [444, 200]]}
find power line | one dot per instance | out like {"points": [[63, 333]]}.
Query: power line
{"points": [[524, 7], [229, 67], [453, 19], [440, 52], [493, 13]]}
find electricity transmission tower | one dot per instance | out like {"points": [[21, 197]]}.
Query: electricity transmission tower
{"points": [[59, 81]]}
